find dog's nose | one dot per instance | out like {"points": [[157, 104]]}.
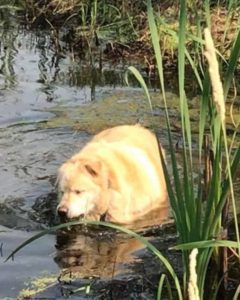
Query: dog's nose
{"points": [[62, 211]]}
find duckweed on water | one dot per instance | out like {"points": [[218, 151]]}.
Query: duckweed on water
{"points": [[38, 285]]}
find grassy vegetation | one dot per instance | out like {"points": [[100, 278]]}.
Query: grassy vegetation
{"points": [[198, 208], [123, 23], [198, 194]]}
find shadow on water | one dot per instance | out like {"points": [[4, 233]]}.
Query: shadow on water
{"points": [[98, 252], [114, 265]]}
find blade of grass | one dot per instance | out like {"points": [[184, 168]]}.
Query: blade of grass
{"points": [[233, 61], [207, 12], [206, 244], [186, 135], [160, 287], [225, 190], [194, 68], [237, 293], [140, 79], [178, 215], [203, 113], [213, 196], [231, 187], [157, 51]]}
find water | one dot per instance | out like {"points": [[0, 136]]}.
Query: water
{"points": [[46, 96], [35, 78]]}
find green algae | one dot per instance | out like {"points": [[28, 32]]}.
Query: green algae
{"points": [[38, 285]]}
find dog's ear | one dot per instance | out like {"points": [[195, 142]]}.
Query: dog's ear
{"points": [[98, 171], [93, 168], [60, 174]]}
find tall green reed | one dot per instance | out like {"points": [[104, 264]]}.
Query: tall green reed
{"points": [[198, 216]]}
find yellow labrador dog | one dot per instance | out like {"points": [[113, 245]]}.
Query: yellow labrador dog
{"points": [[118, 175]]}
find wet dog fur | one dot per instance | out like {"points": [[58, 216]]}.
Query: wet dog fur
{"points": [[118, 175]]}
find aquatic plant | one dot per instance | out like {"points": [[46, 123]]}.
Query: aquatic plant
{"points": [[197, 207]]}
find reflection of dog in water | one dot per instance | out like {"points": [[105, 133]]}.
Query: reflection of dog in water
{"points": [[90, 254], [118, 175]]}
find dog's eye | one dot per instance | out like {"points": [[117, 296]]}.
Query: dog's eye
{"points": [[78, 192]]}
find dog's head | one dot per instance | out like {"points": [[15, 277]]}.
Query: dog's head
{"points": [[82, 187]]}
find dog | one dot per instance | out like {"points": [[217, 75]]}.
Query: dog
{"points": [[117, 176]]}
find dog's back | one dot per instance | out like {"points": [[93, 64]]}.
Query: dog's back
{"points": [[138, 137]]}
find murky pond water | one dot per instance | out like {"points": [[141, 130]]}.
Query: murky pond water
{"points": [[51, 102], [45, 98]]}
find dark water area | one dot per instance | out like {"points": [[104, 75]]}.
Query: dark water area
{"points": [[35, 78], [52, 99]]}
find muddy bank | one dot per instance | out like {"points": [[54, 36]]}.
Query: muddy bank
{"points": [[120, 28]]}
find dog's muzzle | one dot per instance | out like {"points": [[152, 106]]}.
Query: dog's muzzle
{"points": [[62, 211]]}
